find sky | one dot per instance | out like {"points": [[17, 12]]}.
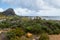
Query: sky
{"points": [[32, 7]]}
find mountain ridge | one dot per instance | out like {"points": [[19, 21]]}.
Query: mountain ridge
{"points": [[8, 12]]}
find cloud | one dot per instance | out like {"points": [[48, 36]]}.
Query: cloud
{"points": [[1, 10], [54, 12], [30, 7], [30, 4], [27, 12], [24, 12], [34, 4], [54, 3]]}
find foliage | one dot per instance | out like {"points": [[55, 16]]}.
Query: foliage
{"points": [[44, 36], [35, 25], [13, 34]]}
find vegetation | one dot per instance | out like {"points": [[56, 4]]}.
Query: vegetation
{"points": [[22, 25], [15, 34], [44, 36], [34, 25]]}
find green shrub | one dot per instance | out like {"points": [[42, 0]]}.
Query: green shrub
{"points": [[10, 35], [44, 36], [34, 29], [18, 32], [16, 38]]}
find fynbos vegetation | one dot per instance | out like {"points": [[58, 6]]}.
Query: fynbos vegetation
{"points": [[21, 25]]}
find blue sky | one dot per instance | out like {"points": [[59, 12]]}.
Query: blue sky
{"points": [[32, 7]]}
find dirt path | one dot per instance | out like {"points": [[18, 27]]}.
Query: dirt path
{"points": [[3, 36], [54, 37]]}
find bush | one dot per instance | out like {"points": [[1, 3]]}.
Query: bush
{"points": [[34, 29], [10, 35], [16, 38], [18, 32], [44, 36]]}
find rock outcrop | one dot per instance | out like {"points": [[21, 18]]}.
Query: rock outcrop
{"points": [[9, 12]]}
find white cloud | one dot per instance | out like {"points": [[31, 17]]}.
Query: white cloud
{"points": [[30, 4], [54, 3], [29, 7], [34, 4], [26, 12], [49, 12], [1, 10]]}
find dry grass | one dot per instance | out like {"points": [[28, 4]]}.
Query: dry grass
{"points": [[54, 37]]}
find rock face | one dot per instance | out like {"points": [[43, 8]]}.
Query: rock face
{"points": [[9, 12]]}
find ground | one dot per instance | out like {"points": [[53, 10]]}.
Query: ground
{"points": [[52, 37]]}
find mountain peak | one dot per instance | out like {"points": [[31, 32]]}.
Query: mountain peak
{"points": [[9, 12]]}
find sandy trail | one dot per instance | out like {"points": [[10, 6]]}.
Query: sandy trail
{"points": [[54, 37]]}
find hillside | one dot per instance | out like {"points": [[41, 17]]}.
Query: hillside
{"points": [[15, 27]]}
